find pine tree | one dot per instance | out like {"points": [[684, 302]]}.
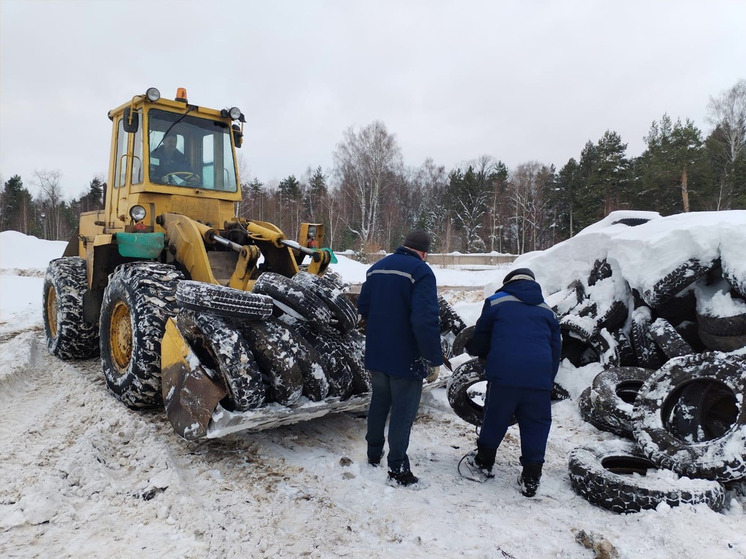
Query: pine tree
{"points": [[17, 210]]}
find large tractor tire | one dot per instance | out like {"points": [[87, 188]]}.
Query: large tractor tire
{"points": [[689, 416], [223, 301], [333, 354], [270, 343], [343, 310], [614, 475], [294, 299], [69, 336], [139, 299], [222, 348]]}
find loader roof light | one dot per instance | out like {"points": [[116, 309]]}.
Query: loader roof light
{"points": [[181, 94], [153, 94], [234, 112], [137, 213]]}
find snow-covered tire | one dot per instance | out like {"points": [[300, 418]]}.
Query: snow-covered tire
{"points": [[461, 339], [221, 347], [270, 345], [294, 299], [614, 317], [69, 335], [713, 444], [565, 301], [626, 353], [614, 475], [605, 345], [315, 383], [578, 352], [223, 301], [343, 310], [674, 282], [722, 325], [332, 352], [615, 391], [689, 331], [679, 308], [583, 322], [354, 342], [466, 391], [722, 343], [450, 321], [601, 270], [138, 300], [647, 352], [587, 409], [668, 339], [336, 279]]}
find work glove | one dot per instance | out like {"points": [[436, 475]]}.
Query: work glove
{"points": [[433, 376]]}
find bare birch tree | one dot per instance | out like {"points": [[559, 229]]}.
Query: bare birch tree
{"points": [[51, 199], [366, 164], [728, 114]]}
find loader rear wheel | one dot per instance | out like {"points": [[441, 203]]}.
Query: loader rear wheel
{"points": [[222, 348], [139, 299], [69, 336]]}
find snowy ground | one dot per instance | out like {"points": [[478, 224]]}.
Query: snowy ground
{"points": [[83, 476]]}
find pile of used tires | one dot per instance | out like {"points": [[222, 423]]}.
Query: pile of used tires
{"points": [[673, 352], [287, 339]]}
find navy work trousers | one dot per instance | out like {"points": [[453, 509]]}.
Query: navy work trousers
{"points": [[533, 410], [399, 397]]}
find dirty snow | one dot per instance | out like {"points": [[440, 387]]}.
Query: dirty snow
{"points": [[82, 476]]}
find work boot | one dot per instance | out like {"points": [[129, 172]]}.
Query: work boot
{"points": [[404, 478], [528, 481], [471, 467], [375, 461]]}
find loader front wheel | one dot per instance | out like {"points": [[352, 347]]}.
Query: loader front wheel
{"points": [[69, 336], [139, 299]]}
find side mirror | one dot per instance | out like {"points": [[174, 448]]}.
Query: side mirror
{"points": [[237, 135], [131, 121]]}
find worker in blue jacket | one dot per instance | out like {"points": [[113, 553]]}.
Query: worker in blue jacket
{"points": [[399, 301], [519, 335]]}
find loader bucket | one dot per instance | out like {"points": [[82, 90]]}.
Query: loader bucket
{"points": [[189, 392]]}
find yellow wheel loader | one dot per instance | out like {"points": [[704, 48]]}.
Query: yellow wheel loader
{"points": [[213, 316]]}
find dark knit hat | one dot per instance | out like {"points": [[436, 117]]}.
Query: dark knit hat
{"points": [[418, 240], [519, 274]]}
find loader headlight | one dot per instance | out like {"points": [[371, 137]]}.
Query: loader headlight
{"points": [[137, 213], [153, 94], [233, 112]]}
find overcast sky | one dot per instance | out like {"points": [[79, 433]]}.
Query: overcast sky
{"points": [[518, 80]]}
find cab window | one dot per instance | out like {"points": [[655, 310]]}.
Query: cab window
{"points": [[186, 150]]}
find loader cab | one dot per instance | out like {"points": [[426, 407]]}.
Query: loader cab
{"points": [[171, 156]]}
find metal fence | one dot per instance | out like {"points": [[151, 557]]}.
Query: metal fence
{"points": [[446, 260]]}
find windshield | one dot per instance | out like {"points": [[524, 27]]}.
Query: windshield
{"points": [[190, 151]]}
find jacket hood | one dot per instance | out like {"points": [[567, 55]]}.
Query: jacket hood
{"points": [[526, 290]]}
